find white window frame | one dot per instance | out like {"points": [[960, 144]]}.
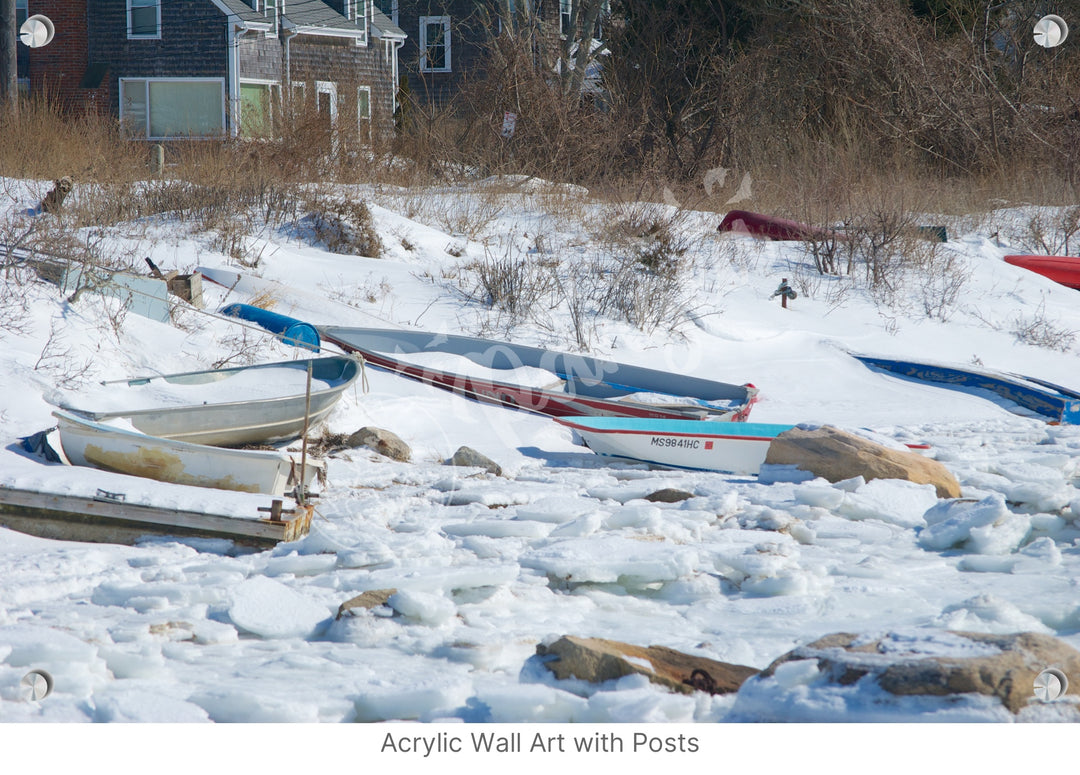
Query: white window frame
{"points": [[274, 89], [328, 87], [360, 117], [145, 132], [393, 15], [156, 4], [425, 21]]}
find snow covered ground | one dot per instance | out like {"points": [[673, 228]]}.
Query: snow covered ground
{"points": [[563, 543]]}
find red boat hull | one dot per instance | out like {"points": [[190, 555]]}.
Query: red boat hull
{"points": [[1061, 269], [768, 227]]}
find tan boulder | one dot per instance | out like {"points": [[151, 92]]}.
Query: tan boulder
{"points": [[836, 455], [382, 441], [373, 598], [470, 458], [597, 660], [1003, 666]]}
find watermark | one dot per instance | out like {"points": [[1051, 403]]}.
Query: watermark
{"points": [[1051, 31], [1050, 684], [35, 686]]}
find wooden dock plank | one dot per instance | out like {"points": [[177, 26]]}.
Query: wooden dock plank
{"points": [[80, 518]]}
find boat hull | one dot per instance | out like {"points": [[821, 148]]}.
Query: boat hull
{"points": [[732, 448], [588, 386], [1064, 270], [1051, 402], [772, 228], [88, 443], [235, 423]]}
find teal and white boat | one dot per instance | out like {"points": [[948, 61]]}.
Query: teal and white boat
{"points": [[734, 448]]}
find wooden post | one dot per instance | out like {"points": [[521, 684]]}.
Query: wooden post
{"points": [[157, 160], [784, 292], [301, 490]]}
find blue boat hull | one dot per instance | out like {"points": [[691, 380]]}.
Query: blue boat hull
{"points": [[1054, 403]]}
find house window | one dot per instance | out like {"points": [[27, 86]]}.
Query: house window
{"points": [[565, 9], [326, 101], [363, 113], [363, 104], [435, 44], [258, 106], [21, 13], [270, 9], [157, 109], [144, 18], [389, 9]]}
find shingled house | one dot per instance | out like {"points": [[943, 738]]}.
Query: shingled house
{"points": [[447, 38], [206, 68]]}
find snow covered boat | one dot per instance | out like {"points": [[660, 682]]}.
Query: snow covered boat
{"points": [[543, 381], [1061, 269], [117, 449], [1022, 395], [225, 407], [734, 448]]}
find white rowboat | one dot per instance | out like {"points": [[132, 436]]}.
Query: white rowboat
{"points": [[225, 407], [89, 443]]}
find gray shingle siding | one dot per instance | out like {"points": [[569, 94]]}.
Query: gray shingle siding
{"points": [[194, 44]]}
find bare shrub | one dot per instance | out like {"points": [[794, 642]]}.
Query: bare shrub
{"points": [[1051, 230], [512, 283], [343, 225], [941, 277], [1038, 331], [57, 360]]}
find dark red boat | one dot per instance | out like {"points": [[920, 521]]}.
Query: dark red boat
{"points": [[769, 227]]}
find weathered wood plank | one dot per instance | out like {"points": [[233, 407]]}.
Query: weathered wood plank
{"points": [[79, 518]]}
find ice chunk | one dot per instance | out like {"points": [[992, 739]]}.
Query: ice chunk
{"points": [[950, 522], [428, 608], [895, 501], [270, 609]]}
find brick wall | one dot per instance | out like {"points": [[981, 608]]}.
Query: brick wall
{"points": [[56, 70]]}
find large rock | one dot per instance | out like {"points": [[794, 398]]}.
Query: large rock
{"points": [[669, 495], [943, 663], [597, 660], [836, 455], [373, 598], [469, 458], [382, 441]]}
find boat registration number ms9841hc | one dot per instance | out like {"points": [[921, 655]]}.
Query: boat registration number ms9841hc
{"points": [[668, 441]]}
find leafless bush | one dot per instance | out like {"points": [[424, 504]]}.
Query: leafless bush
{"points": [[1050, 230], [344, 226], [941, 277], [513, 283], [1038, 331], [242, 348], [57, 360]]}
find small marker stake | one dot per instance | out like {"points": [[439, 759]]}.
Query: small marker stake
{"points": [[785, 292]]}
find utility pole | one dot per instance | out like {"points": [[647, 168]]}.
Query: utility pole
{"points": [[9, 80]]}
